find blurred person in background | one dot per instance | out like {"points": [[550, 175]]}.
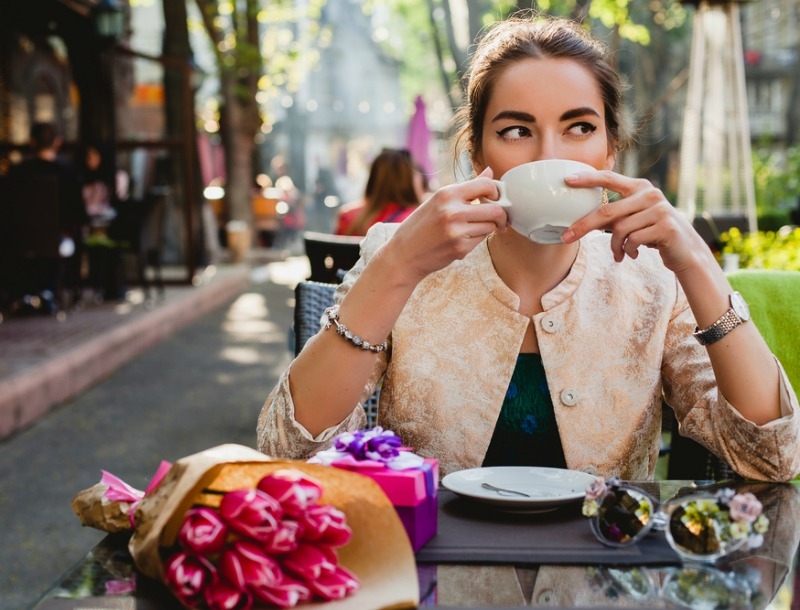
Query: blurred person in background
{"points": [[48, 276], [110, 226], [391, 195], [95, 179]]}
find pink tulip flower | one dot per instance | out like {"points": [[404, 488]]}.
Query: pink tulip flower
{"points": [[309, 562], [334, 585], [202, 531], [285, 538], [294, 490], [287, 594], [187, 576], [246, 566], [251, 512], [325, 524], [222, 595]]}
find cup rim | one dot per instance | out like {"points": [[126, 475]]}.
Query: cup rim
{"points": [[580, 165]]}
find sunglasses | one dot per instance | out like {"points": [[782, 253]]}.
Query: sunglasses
{"points": [[696, 586], [701, 527]]}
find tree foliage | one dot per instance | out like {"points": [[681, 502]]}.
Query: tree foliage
{"points": [[440, 32]]}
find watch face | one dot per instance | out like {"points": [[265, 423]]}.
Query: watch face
{"points": [[739, 305]]}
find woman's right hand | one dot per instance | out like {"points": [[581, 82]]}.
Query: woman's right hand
{"points": [[446, 227]]}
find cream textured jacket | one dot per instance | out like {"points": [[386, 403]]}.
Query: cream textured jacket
{"points": [[614, 338]]}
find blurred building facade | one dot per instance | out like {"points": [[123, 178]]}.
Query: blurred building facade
{"points": [[771, 41]]}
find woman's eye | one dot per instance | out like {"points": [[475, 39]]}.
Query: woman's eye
{"points": [[582, 129], [514, 132]]}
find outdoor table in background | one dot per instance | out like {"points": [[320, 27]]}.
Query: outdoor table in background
{"points": [[562, 567]]}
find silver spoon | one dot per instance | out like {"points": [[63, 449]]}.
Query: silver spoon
{"points": [[501, 491]]}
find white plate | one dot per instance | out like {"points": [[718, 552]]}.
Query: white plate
{"points": [[546, 488]]}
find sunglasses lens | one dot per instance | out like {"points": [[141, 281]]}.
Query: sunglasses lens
{"points": [[700, 588], [695, 535], [623, 516], [635, 583]]}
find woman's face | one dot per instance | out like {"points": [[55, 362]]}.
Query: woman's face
{"points": [[92, 158], [547, 108]]}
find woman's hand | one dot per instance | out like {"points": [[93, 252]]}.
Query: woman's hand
{"points": [[642, 216], [446, 227]]}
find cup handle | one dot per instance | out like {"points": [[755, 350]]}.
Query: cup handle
{"points": [[503, 199]]}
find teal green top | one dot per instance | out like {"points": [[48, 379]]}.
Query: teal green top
{"points": [[526, 433]]}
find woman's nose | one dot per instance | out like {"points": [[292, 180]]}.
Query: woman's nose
{"points": [[548, 149]]}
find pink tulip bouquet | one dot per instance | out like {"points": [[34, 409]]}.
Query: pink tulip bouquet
{"points": [[232, 529], [274, 544]]}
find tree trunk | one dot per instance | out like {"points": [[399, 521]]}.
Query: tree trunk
{"points": [[176, 49]]}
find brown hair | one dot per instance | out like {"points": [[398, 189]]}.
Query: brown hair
{"points": [[391, 180], [524, 36]]}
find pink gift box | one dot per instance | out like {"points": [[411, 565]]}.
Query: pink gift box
{"points": [[414, 493]]}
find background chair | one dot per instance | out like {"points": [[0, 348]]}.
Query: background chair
{"points": [[311, 299], [773, 298], [330, 256], [138, 231]]}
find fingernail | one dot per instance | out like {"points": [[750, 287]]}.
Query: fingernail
{"points": [[567, 236]]}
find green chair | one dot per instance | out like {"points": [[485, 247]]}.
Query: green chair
{"points": [[774, 300]]}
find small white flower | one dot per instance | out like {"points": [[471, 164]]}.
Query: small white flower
{"points": [[589, 508], [739, 530]]}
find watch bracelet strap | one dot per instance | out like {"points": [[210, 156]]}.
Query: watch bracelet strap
{"points": [[726, 323]]}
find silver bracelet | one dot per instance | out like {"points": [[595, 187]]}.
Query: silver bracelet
{"points": [[331, 316]]}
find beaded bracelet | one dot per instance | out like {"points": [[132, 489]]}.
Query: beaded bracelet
{"points": [[331, 315]]}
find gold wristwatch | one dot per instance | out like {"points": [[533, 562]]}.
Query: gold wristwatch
{"points": [[739, 313]]}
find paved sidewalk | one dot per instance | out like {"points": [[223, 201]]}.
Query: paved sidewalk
{"points": [[45, 361], [201, 386]]}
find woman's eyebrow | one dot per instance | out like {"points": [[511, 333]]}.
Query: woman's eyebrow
{"points": [[578, 112], [518, 115], [515, 115]]}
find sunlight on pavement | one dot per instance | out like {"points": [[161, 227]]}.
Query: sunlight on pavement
{"points": [[287, 273]]}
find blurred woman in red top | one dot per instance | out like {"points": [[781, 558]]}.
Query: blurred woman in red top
{"points": [[390, 194]]}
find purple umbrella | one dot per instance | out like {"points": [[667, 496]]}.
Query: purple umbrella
{"points": [[419, 137]]}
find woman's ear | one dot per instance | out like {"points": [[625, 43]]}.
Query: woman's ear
{"points": [[611, 157], [477, 164]]}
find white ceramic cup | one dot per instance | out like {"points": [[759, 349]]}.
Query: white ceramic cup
{"points": [[540, 204]]}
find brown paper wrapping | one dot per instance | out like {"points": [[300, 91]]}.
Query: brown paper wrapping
{"points": [[95, 510], [379, 552]]}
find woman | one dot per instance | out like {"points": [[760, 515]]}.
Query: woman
{"points": [[593, 332], [95, 178], [391, 194]]}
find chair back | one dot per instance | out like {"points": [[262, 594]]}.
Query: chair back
{"points": [[774, 300], [30, 213], [310, 301], [330, 256]]}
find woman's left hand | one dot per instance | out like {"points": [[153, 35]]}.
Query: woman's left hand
{"points": [[642, 216]]}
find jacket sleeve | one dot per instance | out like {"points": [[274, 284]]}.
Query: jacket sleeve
{"points": [[769, 452], [278, 433]]}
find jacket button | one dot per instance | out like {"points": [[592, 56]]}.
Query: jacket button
{"points": [[551, 324], [590, 470], [569, 397], [546, 597]]}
